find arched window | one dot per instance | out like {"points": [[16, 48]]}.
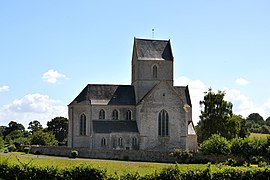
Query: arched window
{"points": [[101, 114], [120, 141], [134, 141], [128, 115], [83, 125], [115, 115], [155, 71], [163, 122], [103, 142]]}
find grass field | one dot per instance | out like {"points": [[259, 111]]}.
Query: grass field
{"points": [[258, 135], [120, 167]]}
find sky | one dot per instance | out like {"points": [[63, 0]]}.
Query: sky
{"points": [[50, 50]]}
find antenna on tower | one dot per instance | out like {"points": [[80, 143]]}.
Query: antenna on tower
{"points": [[153, 33]]}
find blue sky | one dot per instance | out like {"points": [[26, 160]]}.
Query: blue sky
{"points": [[50, 50]]}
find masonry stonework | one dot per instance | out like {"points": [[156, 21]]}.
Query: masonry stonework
{"points": [[150, 114]]}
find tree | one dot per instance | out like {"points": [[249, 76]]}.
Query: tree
{"points": [[215, 116], [2, 143], [256, 118], [59, 127], [267, 121], [34, 126], [43, 138], [13, 126]]}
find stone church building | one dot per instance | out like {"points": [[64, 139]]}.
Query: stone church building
{"points": [[150, 114]]}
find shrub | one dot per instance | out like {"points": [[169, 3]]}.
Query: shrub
{"points": [[11, 148], [216, 144], [74, 153], [26, 150], [183, 156]]}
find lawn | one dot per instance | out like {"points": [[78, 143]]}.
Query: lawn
{"points": [[112, 166], [258, 135]]}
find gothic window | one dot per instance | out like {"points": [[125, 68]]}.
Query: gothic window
{"points": [[101, 114], [163, 123], [120, 141], [134, 141], [103, 142], [128, 115], [155, 71], [83, 125], [115, 115]]}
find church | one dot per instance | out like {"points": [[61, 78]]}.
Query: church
{"points": [[150, 114]]}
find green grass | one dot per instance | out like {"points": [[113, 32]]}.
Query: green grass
{"points": [[258, 135], [112, 166]]}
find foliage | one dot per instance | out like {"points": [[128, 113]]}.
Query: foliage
{"points": [[256, 118], [216, 144], [26, 150], [29, 171], [13, 126], [11, 148], [43, 138], [2, 143], [59, 127], [214, 116], [183, 156], [74, 153], [34, 126]]}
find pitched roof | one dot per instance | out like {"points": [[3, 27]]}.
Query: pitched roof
{"points": [[184, 92], [103, 126], [107, 94], [150, 49]]}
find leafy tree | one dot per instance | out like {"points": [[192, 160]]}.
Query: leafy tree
{"points": [[215, 116], [267, 121], [256, 118], [59, 127], [34, 126], [43, 138], [13, 126], [2, 130]]}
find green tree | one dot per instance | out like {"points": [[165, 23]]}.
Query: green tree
{"points": [[59, 127], [256, 118], [34, 126], [13, 126], [215, 116], [267, 121], [43, 138]]}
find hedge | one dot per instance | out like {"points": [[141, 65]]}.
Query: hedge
{"points": [[9, 171]]}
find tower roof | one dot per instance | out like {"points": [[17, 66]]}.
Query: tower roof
{"points": [[151, 49]]}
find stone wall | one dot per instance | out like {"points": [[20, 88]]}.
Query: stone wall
{"points": [[151, 156]]}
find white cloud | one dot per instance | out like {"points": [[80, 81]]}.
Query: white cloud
{"points": [[52, 76], [241, 81], [4, 88], [32, 107], [242, 105]]}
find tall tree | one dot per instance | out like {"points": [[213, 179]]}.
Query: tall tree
{"points": [[215, 115], [256, 118], [59, 127], [267, 121], [34, 126], [13, 126], [43, 138]]}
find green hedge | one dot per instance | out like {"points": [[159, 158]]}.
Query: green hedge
{"points": [[9, 171]]}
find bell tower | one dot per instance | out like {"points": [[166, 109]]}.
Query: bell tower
{"points": [[152, 62]]}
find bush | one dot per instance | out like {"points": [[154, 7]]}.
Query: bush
{"points": [[183, 156], [26, 150], [216, 144], [11, 148], [74, 153]]}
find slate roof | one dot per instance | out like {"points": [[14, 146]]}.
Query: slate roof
{"points": [[117, 126], [107, 94], [184, 92], [150, 49]]}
